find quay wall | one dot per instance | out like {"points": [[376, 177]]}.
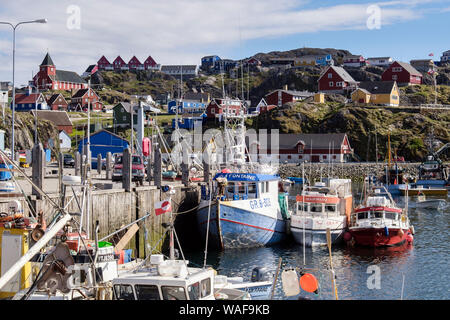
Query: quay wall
{"points": [[116, 208]]}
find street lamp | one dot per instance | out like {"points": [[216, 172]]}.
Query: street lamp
{"points": [[13, 84]]}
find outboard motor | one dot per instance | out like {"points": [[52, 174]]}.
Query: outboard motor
{"points": [[260, 274]]}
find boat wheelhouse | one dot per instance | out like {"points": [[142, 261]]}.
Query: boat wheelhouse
{"points": [[433, 173], [246, 210], [319, 207], [171, 280], [378, 222]]}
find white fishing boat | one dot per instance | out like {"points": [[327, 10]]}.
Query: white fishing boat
{"points": [[424, 203], [172, 280], [321, 207]]}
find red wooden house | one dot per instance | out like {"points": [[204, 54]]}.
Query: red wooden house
{"points": [[48, 78], [150, 63], [336, 80], [104, 64], [281, 97], [297, 148], [119, 64], [57, 102], [218, 107], [135, 64], [403, 73], [80, 99]]}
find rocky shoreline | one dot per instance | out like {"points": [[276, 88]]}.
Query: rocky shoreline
{"points": [[355, 171]]}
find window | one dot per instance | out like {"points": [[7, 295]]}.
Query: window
{"points": [[362, 215], [391, 215], [330, 208], [124, 118], [136, 160], [267, 187], [331, 84], [330, 76], [302, 205], [300, 157], [241, 188], [206, 288], [289, 157], [300, 148], [397, 69], [263, 189], [194, 291], [252, 190], [124, 292], [147, 292], [316, 208], [173, 293], [230, 187], [394, 77], [338, 84], [377, 214], [324, 157]]}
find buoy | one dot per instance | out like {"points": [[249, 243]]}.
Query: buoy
{"points": [[409, 238], [386, 231], [347, 236], [226, 170], [309, 283]]}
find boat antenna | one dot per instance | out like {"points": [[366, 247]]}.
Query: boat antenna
{"points": [[207, 225], [303, 212]]}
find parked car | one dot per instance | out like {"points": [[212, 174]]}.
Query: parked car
{"points": [[137, 168], [68, 161]]}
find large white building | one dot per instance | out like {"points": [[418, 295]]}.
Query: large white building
{"points": [[380, 61]]}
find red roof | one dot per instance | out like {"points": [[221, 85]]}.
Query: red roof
{"points": [[134, 60], [150, 61], [119, 60], [24, 98], [103, 60]]}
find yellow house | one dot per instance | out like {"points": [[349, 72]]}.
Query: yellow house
{"points": [[378, 93], [319, 97]]}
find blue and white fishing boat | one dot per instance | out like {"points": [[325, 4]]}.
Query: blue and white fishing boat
{"points": [[246, 210]]}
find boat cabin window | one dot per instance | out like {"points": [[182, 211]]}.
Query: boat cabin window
{"points": [[362, 215], [173, 293], [241, 188], [252, 190], [391, 215], [305, 207], [330, 208], [267, 187], [124, 292], [194, 291], [144, 292], [230, 188], [315, 208], [263, 187], [206, 287], [376, 214]]}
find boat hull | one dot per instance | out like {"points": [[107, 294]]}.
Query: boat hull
{"points": [[376, 237], [427, 192], [315, 238], [239, 228]]}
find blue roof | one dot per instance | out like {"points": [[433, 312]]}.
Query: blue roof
{"points": [[247, 177]]}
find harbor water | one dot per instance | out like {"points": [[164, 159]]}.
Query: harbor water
{"points": [[418, 271]]}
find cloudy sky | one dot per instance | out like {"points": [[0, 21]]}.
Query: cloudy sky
{"points": [[79, 32]]}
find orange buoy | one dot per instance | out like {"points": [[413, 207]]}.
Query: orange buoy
{"points": [[309, 283]]}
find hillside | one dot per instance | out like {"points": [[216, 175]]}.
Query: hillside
{"points": [[407, 128], [24, 130]]}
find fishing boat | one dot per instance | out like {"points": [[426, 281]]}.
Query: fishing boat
{"points": [[424, 203], [322, 206], [379, 222], [415, 189], [433, 173], [245, 210], [171, 280]]}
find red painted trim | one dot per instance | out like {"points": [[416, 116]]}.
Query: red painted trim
{"points": [[378, 209]]}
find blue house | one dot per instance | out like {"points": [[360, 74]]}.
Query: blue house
{"points": [[186, 106], [189, 123], [325, 60], [210, 63], [30, 101], [102, 142]]}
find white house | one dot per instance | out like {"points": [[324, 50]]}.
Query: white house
{"points": [[379, 61], [65, 143]]}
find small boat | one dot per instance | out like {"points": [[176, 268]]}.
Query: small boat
{"points": [[414, 190], [169, 175], [259, 287], [319, 207], [423, 202], [379, 222], [171, 280], [246, 210]]}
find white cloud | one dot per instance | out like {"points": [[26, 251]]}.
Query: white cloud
{"points": [[172, 31]]}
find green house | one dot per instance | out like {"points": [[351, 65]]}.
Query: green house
{"points": [[121, 114]]}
